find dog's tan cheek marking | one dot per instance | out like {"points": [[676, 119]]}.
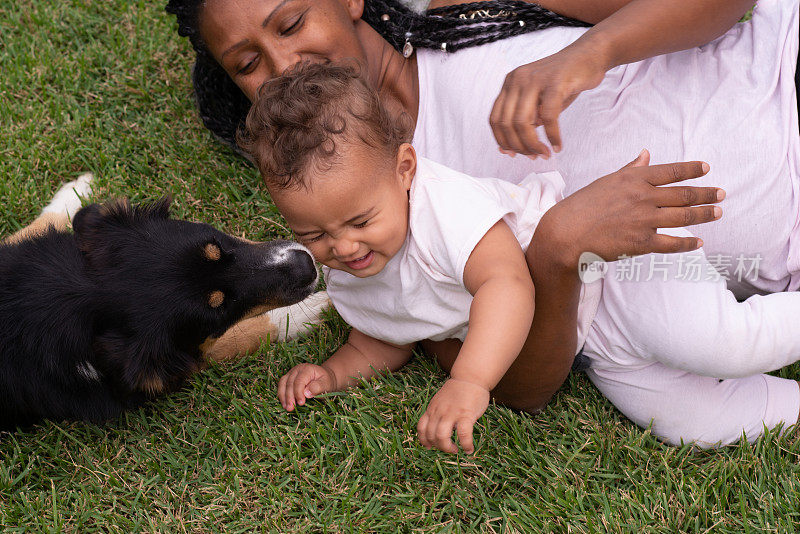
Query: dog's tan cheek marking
{"points": [[258, 310], [206, 345], [216, 298], [212, 252]]}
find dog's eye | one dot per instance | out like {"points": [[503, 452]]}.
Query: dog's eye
{"points": [[216, 298], [212, 252]]}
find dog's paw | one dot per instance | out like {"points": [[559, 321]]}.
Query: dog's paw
{"points": [[67, 199], [297, 319]]}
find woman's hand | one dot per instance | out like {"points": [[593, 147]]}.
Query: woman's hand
{"points": [[535, 94], [619, 214], [303, 382], [458, 405]]}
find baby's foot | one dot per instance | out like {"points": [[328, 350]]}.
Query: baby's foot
{"points": [[67, 199]]}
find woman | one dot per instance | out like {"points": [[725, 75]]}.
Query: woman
{"points": [[450, 97]]}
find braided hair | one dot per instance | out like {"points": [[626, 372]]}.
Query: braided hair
{"points": [[223, 107]]}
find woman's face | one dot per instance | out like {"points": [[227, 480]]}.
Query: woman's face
{"points": [[256, 40]]}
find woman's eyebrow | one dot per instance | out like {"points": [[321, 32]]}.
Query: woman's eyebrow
{"points": [[234, 47], [269, 17], [263, 25]]}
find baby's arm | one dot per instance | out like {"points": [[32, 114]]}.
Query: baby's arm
{"points": [[361, 357], [499, 321]]}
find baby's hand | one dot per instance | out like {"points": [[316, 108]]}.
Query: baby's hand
{"points": [[303, 382], [457, 405]]}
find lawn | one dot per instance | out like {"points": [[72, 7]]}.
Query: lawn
{"points": [[102, 85]]}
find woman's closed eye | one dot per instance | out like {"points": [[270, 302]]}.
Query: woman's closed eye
{"points": [[293, 25], [361, 224], [248, 67]]}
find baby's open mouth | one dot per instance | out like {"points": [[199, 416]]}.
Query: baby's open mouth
{"points": [[361, 263]]}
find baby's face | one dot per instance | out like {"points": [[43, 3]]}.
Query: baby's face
{"points": [[354, 217]]}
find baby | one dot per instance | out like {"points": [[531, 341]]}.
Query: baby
{"points": [[413, 250]]}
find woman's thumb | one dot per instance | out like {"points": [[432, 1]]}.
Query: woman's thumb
{"points": [[642, 160]]}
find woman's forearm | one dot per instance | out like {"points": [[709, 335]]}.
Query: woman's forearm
{"points": [[645, 28], [548, 353]]}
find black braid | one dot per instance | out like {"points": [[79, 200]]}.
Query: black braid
{"points": [[223, 107], [452, 28]]}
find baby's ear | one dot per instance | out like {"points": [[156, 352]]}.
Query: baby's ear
{"points": [[406, 164]]}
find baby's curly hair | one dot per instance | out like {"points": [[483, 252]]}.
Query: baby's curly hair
{"points": [[302, 118]]}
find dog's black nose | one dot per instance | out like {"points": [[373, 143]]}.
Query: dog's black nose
{"points": [[303, 267]]}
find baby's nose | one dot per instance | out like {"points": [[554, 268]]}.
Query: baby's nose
{"points": [[345, 247]]}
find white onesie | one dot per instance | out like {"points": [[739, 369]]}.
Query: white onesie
{"points": [[420, 293], [682, 322]]}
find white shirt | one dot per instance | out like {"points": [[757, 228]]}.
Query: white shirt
{"points": [[731, 103], [420, 293]]}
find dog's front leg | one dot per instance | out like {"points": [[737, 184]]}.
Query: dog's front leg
{"points": [[59, 212], [279, 324]]}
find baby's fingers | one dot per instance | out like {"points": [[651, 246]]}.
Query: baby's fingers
{"points": [[301, 382], [422, 431], [314, 388], [464, 429], [285, 388], [282, 392], [443, 436]]}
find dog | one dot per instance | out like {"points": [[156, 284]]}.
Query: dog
{"points": [[131, 303]]}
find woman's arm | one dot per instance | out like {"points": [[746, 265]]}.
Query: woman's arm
{"points": [[536, 93], [616, 215]]}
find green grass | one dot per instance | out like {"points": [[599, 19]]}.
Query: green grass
{"points": [[102, 85]]}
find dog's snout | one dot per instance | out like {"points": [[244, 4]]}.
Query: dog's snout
{"points": [[305, 268]]}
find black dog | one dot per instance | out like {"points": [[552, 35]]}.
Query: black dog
{"points": [[101, 320]]}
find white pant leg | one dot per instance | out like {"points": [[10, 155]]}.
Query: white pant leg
{"points": [[697, 325], [651, 342], [682, 407]]}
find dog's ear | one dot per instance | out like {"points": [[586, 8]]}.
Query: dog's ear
{"points": [[93, 220], [86, 218], [158, 209], [142, 363]]}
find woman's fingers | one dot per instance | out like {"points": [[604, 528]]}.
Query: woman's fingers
{"points": [[642, 160], [551, 107], [687, 216], [677, 196], [513, 121], [495, 121], [667, 244], [524, 116], [672, 172]]}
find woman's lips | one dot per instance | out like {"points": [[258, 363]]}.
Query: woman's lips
{"points": [[361, 263]]}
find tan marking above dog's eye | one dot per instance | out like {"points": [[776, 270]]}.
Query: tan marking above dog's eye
{"points": [[215, 298], [212, 252]]}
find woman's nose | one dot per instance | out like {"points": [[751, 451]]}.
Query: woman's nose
{"points": [[278, 58]]}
